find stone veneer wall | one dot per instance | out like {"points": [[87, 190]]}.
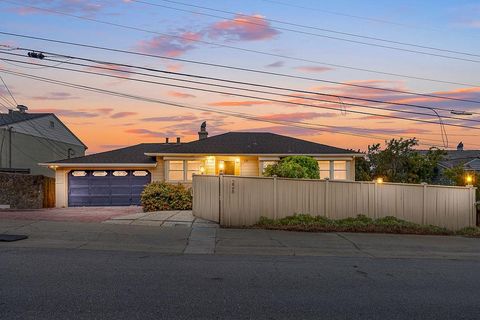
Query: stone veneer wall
{"points": [[22, 191]]}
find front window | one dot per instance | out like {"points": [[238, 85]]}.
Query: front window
{"points": [[324, 167], [340, 170], [176, 170], [193, 167], [335, 169], [183, 170]]}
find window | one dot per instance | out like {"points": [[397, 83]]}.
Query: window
{"points": [[335, 170], [140, 173], [324, 167], [265, 164], [79, 173], [193, 167], [340, 170], [176, 170], [120, 173], [99, 173]]}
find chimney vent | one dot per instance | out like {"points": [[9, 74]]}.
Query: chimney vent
{"points": [[203, 134], [166, 140], [460, 146], [178, 140]]}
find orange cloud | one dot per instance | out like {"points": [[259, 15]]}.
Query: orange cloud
{"points": [[180, 95]]}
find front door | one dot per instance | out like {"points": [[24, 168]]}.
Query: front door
{"points": [[229, 168]]}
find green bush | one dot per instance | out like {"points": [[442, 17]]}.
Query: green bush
{"points": [[158, 196], [299, 167]]}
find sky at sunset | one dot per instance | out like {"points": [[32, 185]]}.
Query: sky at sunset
{"points": [[105, 122]]}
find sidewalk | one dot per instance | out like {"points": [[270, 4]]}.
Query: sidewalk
{"points": [[208, 239]]}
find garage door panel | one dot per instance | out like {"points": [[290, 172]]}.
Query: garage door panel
{"points": [[106, 188]]}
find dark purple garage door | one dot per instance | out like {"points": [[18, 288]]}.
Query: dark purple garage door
{"points": [[106, 187]]}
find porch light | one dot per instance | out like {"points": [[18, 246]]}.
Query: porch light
{"points": [[221, 165], [237, 160], [468, 179], [379, 180], [53, 167], [202, 170]]}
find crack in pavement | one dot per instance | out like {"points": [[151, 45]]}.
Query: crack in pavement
{"points": [[354, 245]]}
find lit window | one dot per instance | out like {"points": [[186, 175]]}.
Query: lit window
{"points": [[79, 173], [193, 167], [140, 173], [176, 170], [99, 173], [120, 173], [340, 170], [324, 167]]}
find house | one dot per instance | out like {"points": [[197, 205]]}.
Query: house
{"points": [[29, 138], [468, 159], [117, 177]]}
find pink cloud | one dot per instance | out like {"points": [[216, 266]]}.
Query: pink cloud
{"points": [[149, 133], [119, 115], [174, 67], [67, 113], [298, 116], [112, 69], [171, 118], [180, 95], [169, 46], [55, 96], [313, 69], [70, 6], [242, 27]]}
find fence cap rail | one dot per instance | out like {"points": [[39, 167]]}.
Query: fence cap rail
{"points": [[419, 185]]}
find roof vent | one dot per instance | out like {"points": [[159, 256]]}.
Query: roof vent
{"points": [[22, 108], [166, 140], [460, 146], [203, 134]]}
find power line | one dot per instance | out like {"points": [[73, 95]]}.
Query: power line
{"points": [[109, 63], [8, 90], [233, 114], [280, 101], [241, 68], [239, 88], [261, 19], [235, 47], [353, 16]]}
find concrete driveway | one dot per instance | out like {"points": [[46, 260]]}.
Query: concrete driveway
{"points": [[176, 218]]}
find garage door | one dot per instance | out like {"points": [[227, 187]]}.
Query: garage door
{"points": [[106, 187]]}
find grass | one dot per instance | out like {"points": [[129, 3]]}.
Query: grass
{"points": [[360, 223]]}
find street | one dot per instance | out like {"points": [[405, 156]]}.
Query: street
{"points": [[88, 284]]}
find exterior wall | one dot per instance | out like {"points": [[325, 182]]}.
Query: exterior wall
{"points": [[41, 127], [249, 166], [158, 173], [61, 181], [28, 151]]}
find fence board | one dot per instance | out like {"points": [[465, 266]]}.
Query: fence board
{"points": [[245, 199]]}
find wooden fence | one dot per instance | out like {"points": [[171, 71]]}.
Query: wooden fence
{"points": [[241, 201]]}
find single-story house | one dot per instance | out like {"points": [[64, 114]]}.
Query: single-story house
{"points": [[117, 177]]}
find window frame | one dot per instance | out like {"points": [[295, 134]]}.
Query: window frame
{"points": [[332, 171], [185, 171]]}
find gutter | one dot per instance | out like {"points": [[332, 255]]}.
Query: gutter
{"points": [[98, 165]]}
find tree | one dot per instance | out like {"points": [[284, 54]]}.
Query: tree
{"points": [[458, 176], [300, 167], [399, 162]]}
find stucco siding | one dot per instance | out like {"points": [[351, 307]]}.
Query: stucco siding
{"points": [[28, 151]]}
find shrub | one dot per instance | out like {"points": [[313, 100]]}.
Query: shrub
{"points": [[300, 167], [158, 196]]}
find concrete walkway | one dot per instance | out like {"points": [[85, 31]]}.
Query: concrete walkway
{"points": [[178, 218]]}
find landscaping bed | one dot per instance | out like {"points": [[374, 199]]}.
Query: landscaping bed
{"points": [[360, 223]]}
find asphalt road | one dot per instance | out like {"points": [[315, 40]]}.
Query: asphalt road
{"points": [[39, 283]]}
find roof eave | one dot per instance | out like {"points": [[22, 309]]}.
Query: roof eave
{"points": [[160, 154], [98, 165]]}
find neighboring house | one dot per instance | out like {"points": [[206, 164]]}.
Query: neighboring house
{"points": [[117, 177], [468, 159], [29, 138]]}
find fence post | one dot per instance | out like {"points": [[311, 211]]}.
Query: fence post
{"points": [[375, 200], [327, 197], [274, 197], [424, 212], [220, 200]]}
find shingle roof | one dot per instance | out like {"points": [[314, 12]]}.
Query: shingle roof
{"points": [[14, 117], [132, 154], [459, 157], [252, 143]]}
